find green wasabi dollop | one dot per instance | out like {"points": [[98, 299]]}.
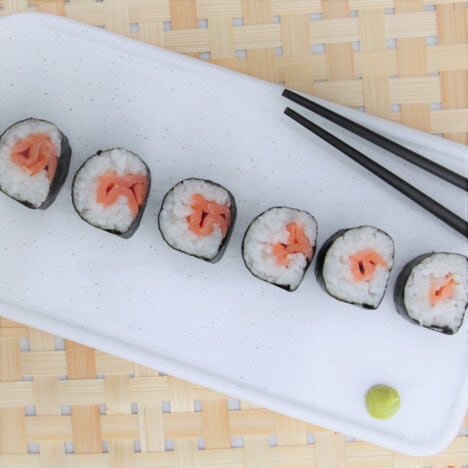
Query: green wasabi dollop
{"points": [[382, 401]]}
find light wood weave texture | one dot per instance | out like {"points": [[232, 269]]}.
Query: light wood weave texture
{"points": [[63, 404], [405, 60]]}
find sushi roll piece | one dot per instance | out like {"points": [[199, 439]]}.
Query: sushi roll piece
{"points": [[110, 191], [432, 291], [197, 217], [34, 161], [278, 246], [354, 265]]}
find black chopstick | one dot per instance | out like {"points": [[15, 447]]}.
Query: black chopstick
{"points": [[383, 142], [404, 187]]}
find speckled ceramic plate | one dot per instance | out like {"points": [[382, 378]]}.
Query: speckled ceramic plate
{"points": [[301, 353]]}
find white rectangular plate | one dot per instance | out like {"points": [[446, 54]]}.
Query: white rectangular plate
{"points": [[303, 353]]}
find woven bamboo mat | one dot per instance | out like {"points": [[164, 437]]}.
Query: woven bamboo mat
{"points": [[405, 60], [63, 404]]}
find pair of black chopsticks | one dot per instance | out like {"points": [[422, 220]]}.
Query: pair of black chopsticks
{"points": [[438, 210]]}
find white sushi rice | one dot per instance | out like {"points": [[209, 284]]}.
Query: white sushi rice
{"points": [[117, 217], [14, 180], [447, 312], [173, 218], [268, 229], [338, 276]]}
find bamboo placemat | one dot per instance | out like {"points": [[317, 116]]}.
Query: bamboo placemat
{"points": [[63, 404]]}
